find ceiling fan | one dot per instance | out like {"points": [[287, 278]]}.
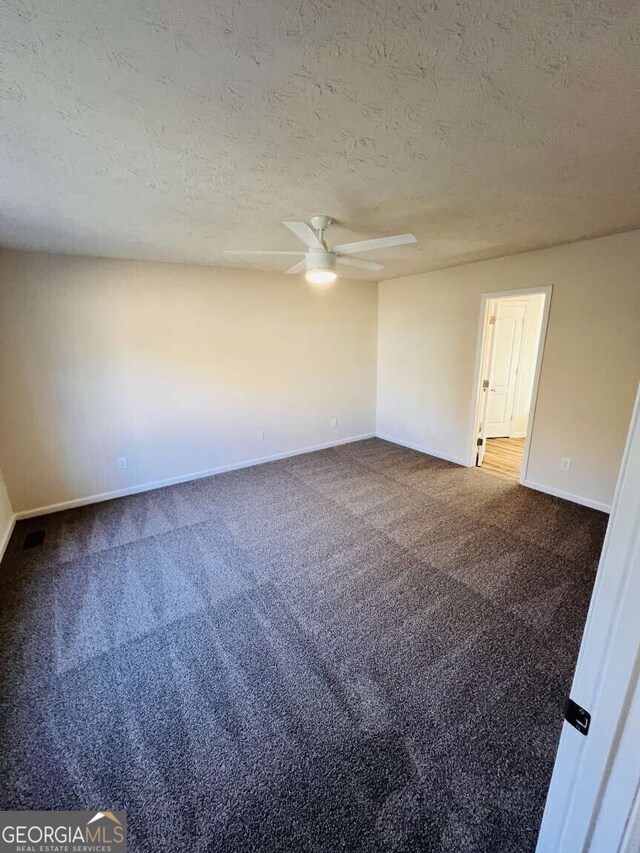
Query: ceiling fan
{"points": [[319, 261]]}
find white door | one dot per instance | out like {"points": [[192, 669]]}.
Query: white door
{"points": [[503, 370]]}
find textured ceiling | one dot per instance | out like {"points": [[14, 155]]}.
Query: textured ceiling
{"points": [[174, 130]]}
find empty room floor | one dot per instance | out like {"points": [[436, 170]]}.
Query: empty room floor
{"points": [[504, 456], [337, 651]]}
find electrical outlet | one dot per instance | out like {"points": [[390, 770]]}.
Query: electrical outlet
{"points": [[334, 423], [565, 464], [122, 462], [260, 435]]}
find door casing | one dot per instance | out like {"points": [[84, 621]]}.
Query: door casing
{"points": [[484, 341]]}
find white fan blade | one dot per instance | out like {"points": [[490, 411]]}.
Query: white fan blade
{"points": [[296, 267], [359, 262], [378, 243], [305, 233], [258, 252]]}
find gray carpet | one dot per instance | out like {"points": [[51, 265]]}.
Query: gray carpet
{"points": [[361, 649]]}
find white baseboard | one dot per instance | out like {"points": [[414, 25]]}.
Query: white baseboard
{"points": [[235, 466], [567, 496], [185, 478], [557, 493], [429, 451], [4, 539]]}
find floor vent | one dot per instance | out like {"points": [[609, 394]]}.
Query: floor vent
{"points": [[32, 540]]}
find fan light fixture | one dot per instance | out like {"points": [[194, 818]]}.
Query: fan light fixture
{"points": [[320, 276], [320, 266], [319, 261]]}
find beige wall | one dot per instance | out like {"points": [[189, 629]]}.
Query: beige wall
{"points": [[175, 368], [427, 344], [6, 516]]}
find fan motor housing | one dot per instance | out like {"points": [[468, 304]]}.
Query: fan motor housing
{"points": [[320, 259]]}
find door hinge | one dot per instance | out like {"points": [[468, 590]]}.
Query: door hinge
{"points": [[485, 384], [479, 442], [492, 320], [577, 716]]}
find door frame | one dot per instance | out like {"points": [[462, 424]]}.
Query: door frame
{"points": [[483, 342], [486, 363]]}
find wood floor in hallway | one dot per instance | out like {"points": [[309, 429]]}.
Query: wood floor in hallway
{"points": [[503, 456]]}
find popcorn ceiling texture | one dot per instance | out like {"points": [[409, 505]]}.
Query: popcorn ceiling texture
{"points": [[172, 131]]}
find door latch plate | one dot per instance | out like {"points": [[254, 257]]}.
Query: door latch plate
{"points": [[577, 716]]}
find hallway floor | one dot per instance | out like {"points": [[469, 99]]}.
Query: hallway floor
{"points": [[504, 456]]}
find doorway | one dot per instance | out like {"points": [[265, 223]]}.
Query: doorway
{"points": [[513, 327]]}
